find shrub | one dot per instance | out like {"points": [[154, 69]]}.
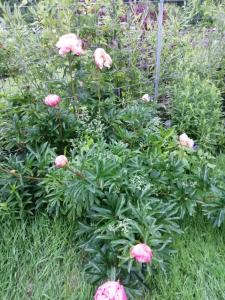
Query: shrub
{"points": [[196, 109], [191, 54], [205, 12]]}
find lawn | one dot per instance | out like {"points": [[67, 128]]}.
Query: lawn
{"points": [[197, 269], [41, 261]]}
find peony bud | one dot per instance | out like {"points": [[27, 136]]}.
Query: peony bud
{"points": [[61, 161], [13, 172], [185, 141], [142, 253], [70, 43], [52, 100], [111, 290], [146, 98], [102, 59]]}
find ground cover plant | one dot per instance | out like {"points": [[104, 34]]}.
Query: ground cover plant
{"points": [[83, 140]]}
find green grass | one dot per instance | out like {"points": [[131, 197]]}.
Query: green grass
{"points": [[198, 268], [41, 261]]}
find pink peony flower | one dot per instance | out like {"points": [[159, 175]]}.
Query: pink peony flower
{"points": [[61, 161], [70, 43], [146, 98], [102, 59], [110, 290], [185, 141], [142, 253], [52, 100]]}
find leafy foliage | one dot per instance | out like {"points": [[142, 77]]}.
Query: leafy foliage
{"points": [[114, 226], [192, 110], [20, 179]]}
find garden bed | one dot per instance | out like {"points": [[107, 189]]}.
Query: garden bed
{"points": [[129, 187]]}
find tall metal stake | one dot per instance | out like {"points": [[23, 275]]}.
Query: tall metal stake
{"points": [[159, 48]]}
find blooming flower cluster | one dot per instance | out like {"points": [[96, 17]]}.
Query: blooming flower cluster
{"points": [[71, 43]]}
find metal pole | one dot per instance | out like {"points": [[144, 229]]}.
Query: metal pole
{"points": [[159, 48]]}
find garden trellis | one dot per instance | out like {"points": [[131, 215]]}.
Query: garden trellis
{"points": [[159, 48]]}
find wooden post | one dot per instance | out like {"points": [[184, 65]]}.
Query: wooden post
{"points": [[159, 48]]}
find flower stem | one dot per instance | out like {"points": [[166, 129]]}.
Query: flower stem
{"points": [[72, 82], [76, 173], [141, 281], [99, 94], [60, 123]]}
